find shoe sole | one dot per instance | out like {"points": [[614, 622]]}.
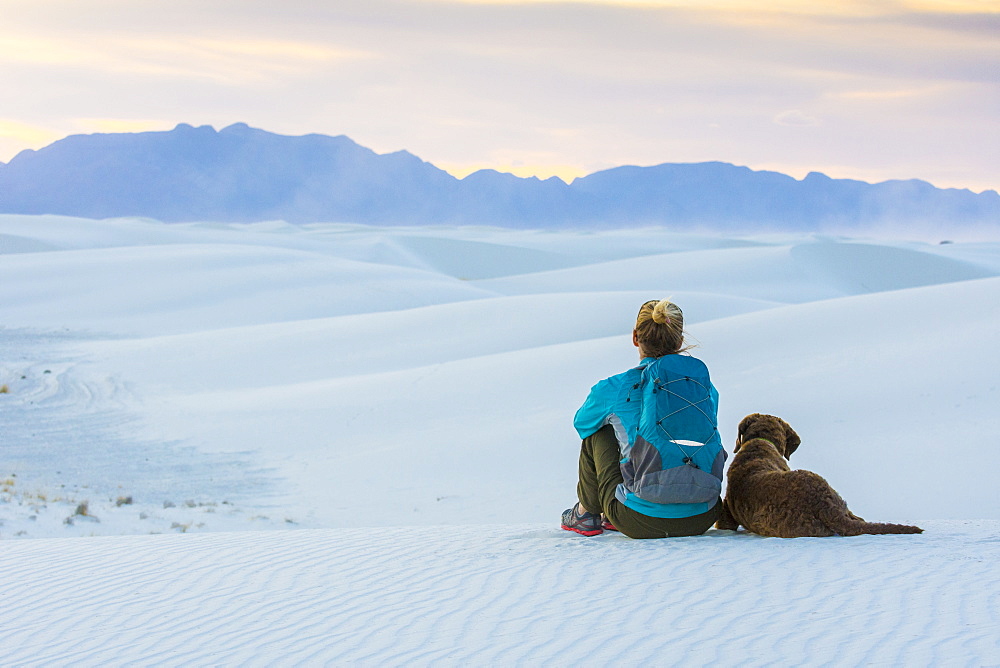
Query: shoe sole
{"points": [[583, 532]]}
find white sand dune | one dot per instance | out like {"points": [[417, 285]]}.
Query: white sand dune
{"points": [[403, 397], [502, 595], [177, 287]]}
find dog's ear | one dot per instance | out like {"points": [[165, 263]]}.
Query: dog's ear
{"points": [[792, 440], [746, 425], [741, 431]]}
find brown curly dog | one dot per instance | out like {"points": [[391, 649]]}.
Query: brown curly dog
{"points": [[768, 498]]}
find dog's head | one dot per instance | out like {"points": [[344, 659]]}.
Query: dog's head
{"points": [[769, 428]]}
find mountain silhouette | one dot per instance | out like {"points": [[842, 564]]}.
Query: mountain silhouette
{"points": [[243, 174]]}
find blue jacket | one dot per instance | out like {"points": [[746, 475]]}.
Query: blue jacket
{"points": [[665, 417]]}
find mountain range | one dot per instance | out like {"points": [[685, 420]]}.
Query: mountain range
{"points": [[244, 174]]}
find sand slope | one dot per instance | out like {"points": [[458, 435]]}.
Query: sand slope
{"points": [[229, 377]]}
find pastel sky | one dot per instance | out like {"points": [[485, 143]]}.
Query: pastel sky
{"points": [[869, 90]]}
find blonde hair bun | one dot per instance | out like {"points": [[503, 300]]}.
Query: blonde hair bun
{"points": [[659, 328], [662, 311]]}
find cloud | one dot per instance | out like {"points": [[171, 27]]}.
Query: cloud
{"points": [[843, 8], [796, 119], [891, 94], [223, 60], [556, 86]]}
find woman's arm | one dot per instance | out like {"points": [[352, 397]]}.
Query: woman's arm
{"points": [[595, 410]]}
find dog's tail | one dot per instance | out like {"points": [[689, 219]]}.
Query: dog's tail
{"points": [[833, 512], [858, 528], [851, 525]]}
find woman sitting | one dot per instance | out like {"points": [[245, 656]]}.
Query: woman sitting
{"points": [[651, 461]]}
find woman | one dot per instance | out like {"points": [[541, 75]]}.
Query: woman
{"points": [[652, 459]]}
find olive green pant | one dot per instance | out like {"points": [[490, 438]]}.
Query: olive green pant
{"points": [[600, 475]]}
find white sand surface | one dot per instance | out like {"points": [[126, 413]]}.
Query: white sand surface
{"points": [[370, 431], [510, 594]]}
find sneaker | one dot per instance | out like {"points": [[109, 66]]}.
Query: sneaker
{"points": [[607, 525], [585, 524]]}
